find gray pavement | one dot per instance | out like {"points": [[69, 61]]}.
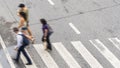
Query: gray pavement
{"points": [[95, 19]]}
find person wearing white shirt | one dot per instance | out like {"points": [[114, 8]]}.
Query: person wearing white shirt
{"points": [[20, 47]]}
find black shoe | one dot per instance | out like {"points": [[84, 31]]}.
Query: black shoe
{"points": [[49, 49], [15, 60], [28, 63]]}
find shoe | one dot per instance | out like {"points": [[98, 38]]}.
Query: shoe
{"points": [[28, 63], [15, 60], [48, 49]]}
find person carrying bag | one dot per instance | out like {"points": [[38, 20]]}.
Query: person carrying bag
{"points": [[47, 31]]}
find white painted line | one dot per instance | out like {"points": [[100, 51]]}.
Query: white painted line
{"points": [[48, 60], [106, 53], [116, 42], [7, 53], [51, 2], [25, 61], [1, 65], [86, 54], [74, 28], [66, 55]]}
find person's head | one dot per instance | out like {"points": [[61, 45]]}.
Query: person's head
{"points": [[21, 5], [43, 21], [23, 14], [15, 29]]}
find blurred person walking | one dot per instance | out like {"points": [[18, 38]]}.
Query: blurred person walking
{"points": [[24, 9], [23, 24], [47, 31], [22, 42]]}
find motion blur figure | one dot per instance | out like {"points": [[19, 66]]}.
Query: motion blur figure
{"points": [[20, 47], [46, 33]]}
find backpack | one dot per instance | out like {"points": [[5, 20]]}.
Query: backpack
{"points": [[25, 40], [50, 29]]}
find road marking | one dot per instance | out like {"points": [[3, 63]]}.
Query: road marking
{"points": [[50, 63], [25, 61], [51, 2], [1, 65], [106, 53], [86, 54], [74, 28], [7, 53], [66, 55], [116, 42]]}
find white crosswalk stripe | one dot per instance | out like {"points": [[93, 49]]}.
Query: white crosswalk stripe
{"points": [[116, 42], [74, 28], [70, 60], [25, 61], [51, 2], [1, 65], [86, 54], [106, 53], [48, 60], [66, 55], [7, 53]]}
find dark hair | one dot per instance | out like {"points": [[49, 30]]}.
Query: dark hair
{"points": [[15, 29], [43, 21], [23, 14], [21, 5]]}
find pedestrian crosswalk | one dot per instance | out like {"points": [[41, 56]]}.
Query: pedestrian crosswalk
{"points": [[66, 55], [106, 53], [48, 60], [79, 47], [115, 42], [86, 54], [25, 61], [6, 53]]}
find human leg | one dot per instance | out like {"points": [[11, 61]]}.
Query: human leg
{"points": [[48, 42], [26, 56]]}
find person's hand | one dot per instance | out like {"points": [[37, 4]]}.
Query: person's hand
{"points": [[16, 48], [45, 38]]}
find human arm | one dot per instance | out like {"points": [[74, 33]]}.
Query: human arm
{"points": [[19, 42]]}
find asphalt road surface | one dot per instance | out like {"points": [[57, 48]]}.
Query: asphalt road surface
{"points": [[86, 33]]}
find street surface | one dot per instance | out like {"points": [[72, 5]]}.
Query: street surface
{"points": [[86, 33]]}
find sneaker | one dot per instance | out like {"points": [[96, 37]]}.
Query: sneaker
{"points": [[48, 49], [15, 60], [28, 63]]}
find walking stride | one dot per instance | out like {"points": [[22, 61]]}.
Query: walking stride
{"points": [[47, 31], [24, 18], [22, 42]]}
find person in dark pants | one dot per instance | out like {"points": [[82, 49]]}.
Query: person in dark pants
{"points": [[20, 47], [46, 33], [47, 39]]}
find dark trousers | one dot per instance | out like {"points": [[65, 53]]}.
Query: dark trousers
{"points": [[48, 41], [21, 49]]}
